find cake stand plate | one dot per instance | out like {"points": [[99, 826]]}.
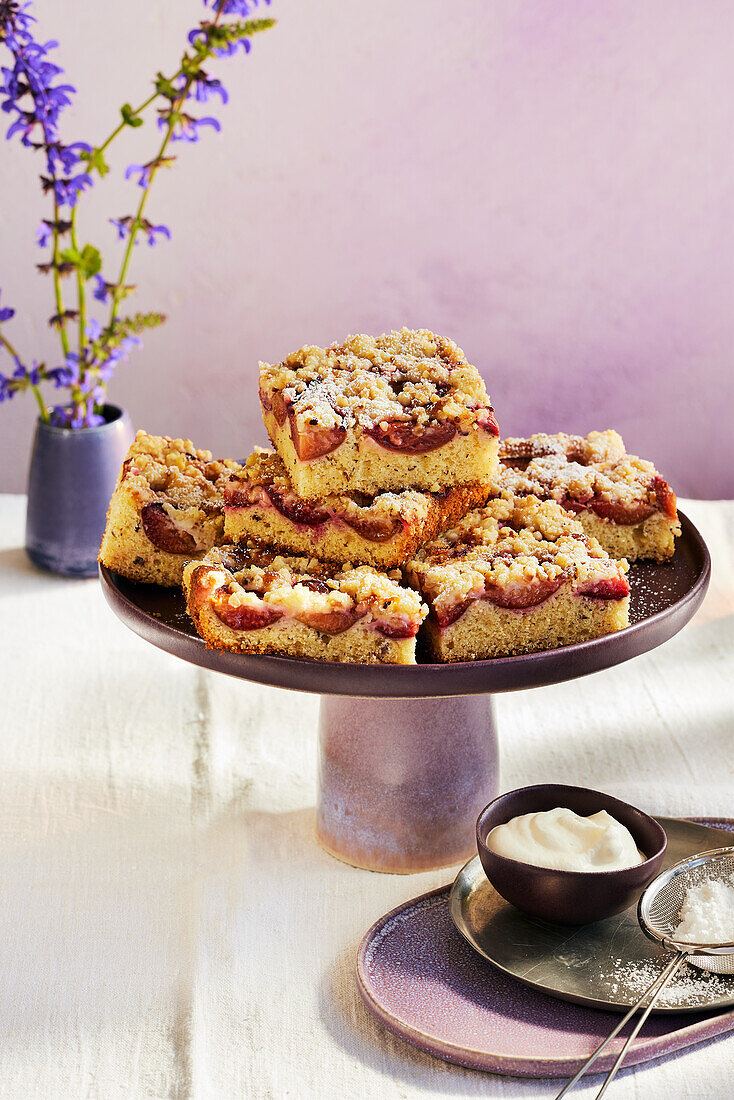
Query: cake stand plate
{"points": [[408, 753]]}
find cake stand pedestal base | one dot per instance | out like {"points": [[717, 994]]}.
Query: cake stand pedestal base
{"points": [[402, 781]]}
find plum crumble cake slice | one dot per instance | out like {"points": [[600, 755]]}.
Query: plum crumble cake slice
{"points": [[167, 508], [261, 504], [252, 600], [400, 411], [619, 499], [516, 576]]}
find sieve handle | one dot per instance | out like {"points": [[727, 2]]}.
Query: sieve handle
{"points": [[652, 991], [671, 972]]}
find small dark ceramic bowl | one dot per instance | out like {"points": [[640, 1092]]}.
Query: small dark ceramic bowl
{"points": [[569, 897]]}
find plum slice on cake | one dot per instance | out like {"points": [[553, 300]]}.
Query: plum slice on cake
{"points": [[619, 498], [400, 411], [516, 576], [251, 600], [167, 508], [261, 504]]}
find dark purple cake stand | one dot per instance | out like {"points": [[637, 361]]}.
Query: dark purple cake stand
{"points": [[408, 753]]}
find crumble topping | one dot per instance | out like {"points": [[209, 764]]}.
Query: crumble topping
{"points": [[510, 543], [605, 447], [298, 584], [410, 376], [186, 478], [571, 468]]}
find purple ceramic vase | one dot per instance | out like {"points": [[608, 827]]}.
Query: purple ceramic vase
{"points": [[72, 476]]}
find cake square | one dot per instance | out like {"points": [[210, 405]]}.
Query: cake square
{"points": [[400, 411], [517, 576], [167, 508], [252, 600], [618, 498], [260, 504]]}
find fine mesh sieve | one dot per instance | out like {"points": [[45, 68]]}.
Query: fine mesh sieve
{"points": [[659, 907], [658, 912]]}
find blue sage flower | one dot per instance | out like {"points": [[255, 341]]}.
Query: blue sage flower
{"points": [[102, 290], [6, 313], [185, 127], [204, 87]]}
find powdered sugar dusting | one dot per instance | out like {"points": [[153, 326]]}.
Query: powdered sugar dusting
{"points": [[626, 982]]}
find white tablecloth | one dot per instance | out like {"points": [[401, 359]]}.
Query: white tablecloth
{"points": [[169, 926]]}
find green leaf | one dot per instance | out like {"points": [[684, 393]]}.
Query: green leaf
{"points": [[96, 162], [71, 255], [165, 87], [91, 261], [129, 117], [88, 262]]}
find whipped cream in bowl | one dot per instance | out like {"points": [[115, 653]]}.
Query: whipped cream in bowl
{"points": [[568, 855], [565, 841]]}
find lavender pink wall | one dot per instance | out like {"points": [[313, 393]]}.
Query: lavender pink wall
{"points": [[551, 184]]}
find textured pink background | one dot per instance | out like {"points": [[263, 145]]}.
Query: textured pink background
{"points": [[549, 184]]}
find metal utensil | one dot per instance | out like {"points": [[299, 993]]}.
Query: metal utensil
{"points": [[658, 912]]}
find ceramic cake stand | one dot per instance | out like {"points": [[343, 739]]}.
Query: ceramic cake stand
{"points": [[408, 753]]}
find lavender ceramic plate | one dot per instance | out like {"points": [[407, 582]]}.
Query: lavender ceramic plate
{"points": [[664, 597], [424, 983]]}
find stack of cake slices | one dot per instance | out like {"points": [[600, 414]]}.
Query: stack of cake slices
{"points": [[390, 512]]}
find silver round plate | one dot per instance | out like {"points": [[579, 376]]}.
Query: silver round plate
{"points": [[599, 964]]}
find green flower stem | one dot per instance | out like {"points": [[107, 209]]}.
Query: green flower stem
{"points": [[43, 411], [6, 344], [57, 284], [135, 227], [80, 287], [123, 124]]}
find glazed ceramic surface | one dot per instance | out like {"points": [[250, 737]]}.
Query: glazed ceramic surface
{"points": [[401, 781], [72, 476], [587, 965], [424, 983], [569, 897], [664, 597]]}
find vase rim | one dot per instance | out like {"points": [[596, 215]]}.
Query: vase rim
{"points": [[111, 413]]}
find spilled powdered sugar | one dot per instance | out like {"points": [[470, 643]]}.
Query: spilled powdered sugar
{"points": [[625, 982]]}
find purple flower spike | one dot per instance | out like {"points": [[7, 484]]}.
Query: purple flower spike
{"points": [[6, 313], [35, 102]]}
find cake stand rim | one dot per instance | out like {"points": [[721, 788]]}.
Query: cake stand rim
{"points": [[421, 681]]}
